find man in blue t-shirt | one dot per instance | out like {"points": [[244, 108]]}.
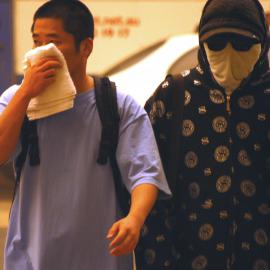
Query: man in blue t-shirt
{"points": [[65, 213]]}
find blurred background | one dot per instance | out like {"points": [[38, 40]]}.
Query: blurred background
{"points": [[137, 43]]}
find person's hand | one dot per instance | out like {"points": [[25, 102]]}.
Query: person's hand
{"points": [[40, 75], [124, 235]]}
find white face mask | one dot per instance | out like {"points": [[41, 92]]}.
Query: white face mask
{"points": [[229, 66]]}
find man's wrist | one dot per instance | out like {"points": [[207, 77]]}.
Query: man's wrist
{"points": [[24, 94], [138, 217]]}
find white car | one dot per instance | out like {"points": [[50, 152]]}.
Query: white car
{"points": [[140, 74]]}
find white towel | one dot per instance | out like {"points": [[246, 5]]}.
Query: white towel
{"points": [[58, 96]]}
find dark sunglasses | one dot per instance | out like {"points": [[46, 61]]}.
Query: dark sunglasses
{"points": [[240, 43]]}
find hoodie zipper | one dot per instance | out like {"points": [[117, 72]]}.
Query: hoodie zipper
{"points": [[234, 199], [228, 104]]}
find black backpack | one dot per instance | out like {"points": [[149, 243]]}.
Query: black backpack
{"points": [[106, 100]]}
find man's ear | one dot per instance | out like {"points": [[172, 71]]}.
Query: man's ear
{"points": [[86, 47]]}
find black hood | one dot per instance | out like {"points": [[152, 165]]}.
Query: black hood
{"points": [[245, 15]]}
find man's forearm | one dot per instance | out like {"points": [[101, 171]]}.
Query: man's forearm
{"points": [[11, 120], [143, 198]]}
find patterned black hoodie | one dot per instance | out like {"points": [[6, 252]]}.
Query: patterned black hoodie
{"points": [[222, 215]]}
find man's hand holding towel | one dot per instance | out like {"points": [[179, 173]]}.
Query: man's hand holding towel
{"points": [[59, 95]]}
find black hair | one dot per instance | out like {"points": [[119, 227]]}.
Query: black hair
{"points": [[76, 17]]}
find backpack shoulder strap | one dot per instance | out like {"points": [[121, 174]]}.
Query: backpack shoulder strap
{"points": [[106, 100], [29, 144], [19, 162]]}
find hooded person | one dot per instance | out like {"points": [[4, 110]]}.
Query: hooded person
{"points": [[67, 212], [220, 218]]}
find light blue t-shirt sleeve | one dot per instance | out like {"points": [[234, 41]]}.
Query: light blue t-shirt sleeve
{"points": [[5, 98], [137, 153], [7, 95]]}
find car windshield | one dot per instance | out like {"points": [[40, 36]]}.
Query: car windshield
{"points": [[132, 60]]}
